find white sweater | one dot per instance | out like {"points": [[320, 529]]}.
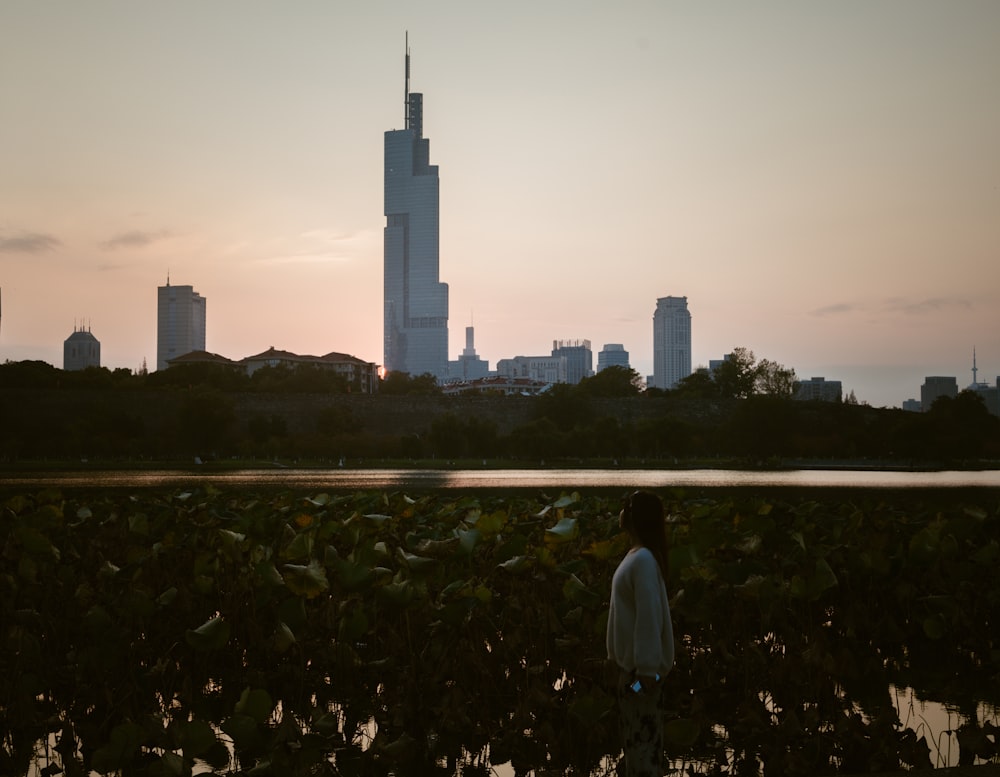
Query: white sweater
{"points": [[640, 634]]}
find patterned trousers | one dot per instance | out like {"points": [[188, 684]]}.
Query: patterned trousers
{"points": [[641, 717]]}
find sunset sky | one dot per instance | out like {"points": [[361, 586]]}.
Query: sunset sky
{"points": [[821, 180]]}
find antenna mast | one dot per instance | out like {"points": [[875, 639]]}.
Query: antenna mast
{"points": [[406, 90]]}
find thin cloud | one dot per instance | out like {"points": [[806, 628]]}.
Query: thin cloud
{"points": [[317, 258], [926, 306], [836, 310], [28, 243], [896, 306], [134, 239], [317, 246]]}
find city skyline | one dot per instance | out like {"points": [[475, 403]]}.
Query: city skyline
{"points": [[821, 182]]}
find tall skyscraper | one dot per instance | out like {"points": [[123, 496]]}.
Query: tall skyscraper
{"points": [[416, 302], [180, 322], [671, 342]]}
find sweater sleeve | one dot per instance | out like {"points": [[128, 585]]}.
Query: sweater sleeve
{"points": [[650, 611]]}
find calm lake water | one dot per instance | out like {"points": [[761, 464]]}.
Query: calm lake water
{"points": [[511, 478]]}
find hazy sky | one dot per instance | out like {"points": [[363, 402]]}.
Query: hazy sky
{"points": [[820, 180]]}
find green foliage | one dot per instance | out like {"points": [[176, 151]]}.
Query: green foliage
{"points": [[375, 633], [614, 381], [404, 383]]}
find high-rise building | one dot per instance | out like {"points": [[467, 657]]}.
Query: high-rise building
{"points": [[180, 323], [469, 366], [936, 386], [671, 342], [612, 355], [579, 358], [416, 302], [81, 350]]}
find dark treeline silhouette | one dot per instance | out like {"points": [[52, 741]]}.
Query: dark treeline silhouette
{"points": [[743, 412]]}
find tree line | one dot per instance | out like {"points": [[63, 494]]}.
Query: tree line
{"points": [[741, 410]]}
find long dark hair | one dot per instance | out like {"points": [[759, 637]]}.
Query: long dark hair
{"points": [[643, 516]]}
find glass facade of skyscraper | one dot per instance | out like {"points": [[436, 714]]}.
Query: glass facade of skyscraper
{"points": [[180, 323], [415, 301], [671, 342]]}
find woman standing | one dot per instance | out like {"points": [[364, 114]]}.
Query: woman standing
{"points": [[640, 636]]}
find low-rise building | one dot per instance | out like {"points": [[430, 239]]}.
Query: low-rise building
{"points": [[360, 375], [819, 390], [546, 369]]}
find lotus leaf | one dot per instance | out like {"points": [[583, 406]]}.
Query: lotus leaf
{"points": [[255, 703], [122, 747], [681, 732], [576, 592], [565, 531], [416, 564], [284, 637], [490, 523], [242, 729], [307, 580], [196, 737], [591, 708], [211, 635], [36, 543]]}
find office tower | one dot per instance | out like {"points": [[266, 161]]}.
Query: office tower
{"points": [[416, 302], [180, 323], [935, 387], [612, 355], [671, 342], [579, 358], [81, 350]]}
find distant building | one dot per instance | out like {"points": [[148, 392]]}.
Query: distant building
{"points": [[911, 405], [546, 369], [612, 355], [180, 323], [81, 350], [415, 328], [819, 390], [360, 375], [990, 395], [935, 387], [496, 384], [468, 366], [671, 342], [579, 358]]}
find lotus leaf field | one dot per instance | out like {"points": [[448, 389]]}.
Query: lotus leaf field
{"points": [[374, 633]]}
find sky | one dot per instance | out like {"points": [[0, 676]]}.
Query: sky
{"points": [[820, 180]]}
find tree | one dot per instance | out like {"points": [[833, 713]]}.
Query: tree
{"points": [[741, 376], [736, 376], [614, 381], [774, 380], [403, 383], [698, 385]]}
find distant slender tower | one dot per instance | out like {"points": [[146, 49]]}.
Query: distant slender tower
{"points": [[81, 350], [671, 342], [180, 323], [416, 302]]}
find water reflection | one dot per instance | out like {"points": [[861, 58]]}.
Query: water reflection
{"points": [[514, 478]]}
